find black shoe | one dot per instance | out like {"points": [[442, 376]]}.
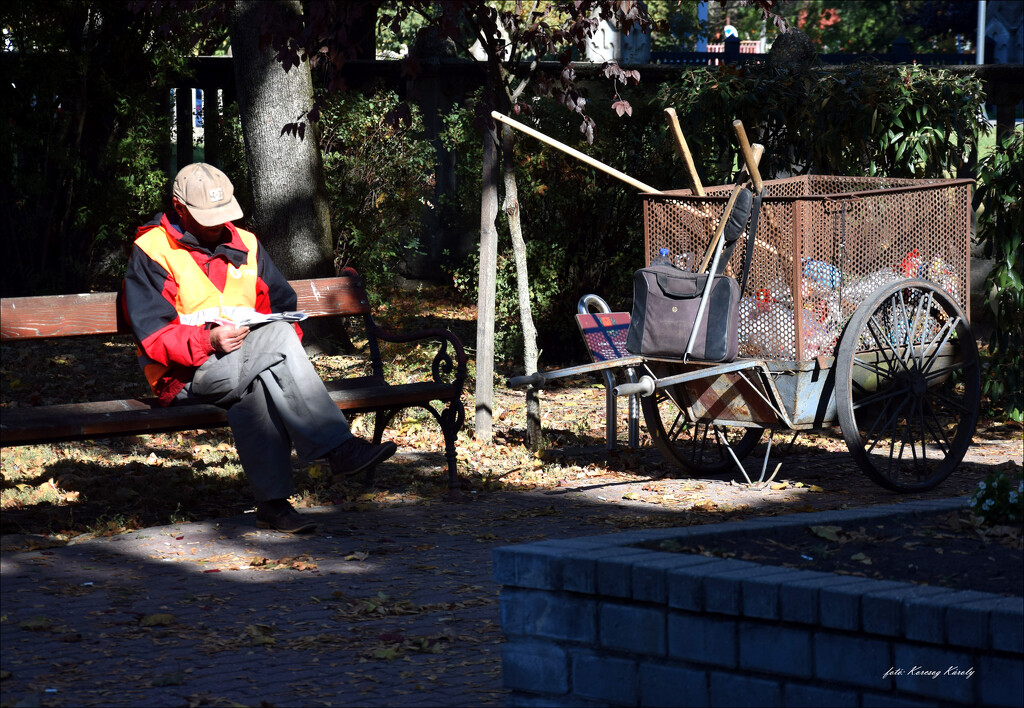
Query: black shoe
{"points": [[356, 455], [279, 515]]}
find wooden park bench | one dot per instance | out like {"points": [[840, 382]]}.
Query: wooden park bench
{"points": [[48, 317]]}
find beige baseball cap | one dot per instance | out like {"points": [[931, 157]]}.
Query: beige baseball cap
{"points": [[208, 194]]}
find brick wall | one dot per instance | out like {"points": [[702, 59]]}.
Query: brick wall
{"points": [[598, 621]]}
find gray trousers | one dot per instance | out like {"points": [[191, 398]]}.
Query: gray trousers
{"points": [[274, 400]]}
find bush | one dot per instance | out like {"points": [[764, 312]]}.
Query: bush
{"points": [[896, 121], [380, 178], [999, 499], [1000, 202]]}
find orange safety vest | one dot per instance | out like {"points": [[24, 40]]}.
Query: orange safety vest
{"points": [[197, 300]]}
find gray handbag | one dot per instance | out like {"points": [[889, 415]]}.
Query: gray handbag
{"points": [[666, 302]]}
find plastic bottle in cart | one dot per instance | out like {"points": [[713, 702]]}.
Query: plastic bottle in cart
{"points": [[662, 258]]}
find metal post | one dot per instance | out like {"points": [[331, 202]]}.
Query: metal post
{"points": [[183, 107], [979, 39]]}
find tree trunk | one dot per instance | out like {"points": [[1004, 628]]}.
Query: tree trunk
{"points": [[485, 298], [530, 353], [290, 208]]}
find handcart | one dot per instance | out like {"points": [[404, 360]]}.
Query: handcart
{"points": [[854, 313]]}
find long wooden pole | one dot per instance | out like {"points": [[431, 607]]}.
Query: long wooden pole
{"points": [[684, 151], [575, 153], [748, 155]]}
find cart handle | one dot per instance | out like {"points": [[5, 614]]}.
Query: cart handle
{"points": [[644, 387], [536, 380]]}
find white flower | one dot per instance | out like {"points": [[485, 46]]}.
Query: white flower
{"points": [[987, 505], [1013, 497], [974, 501], [981, 484]]}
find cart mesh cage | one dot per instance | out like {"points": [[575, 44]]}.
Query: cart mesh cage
{"points": [[824, 244]]}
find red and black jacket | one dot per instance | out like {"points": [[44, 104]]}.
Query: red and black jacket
{"points": [[176, 289]]}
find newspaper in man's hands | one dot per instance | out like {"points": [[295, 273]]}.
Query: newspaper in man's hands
{"points": [[255, 319]]}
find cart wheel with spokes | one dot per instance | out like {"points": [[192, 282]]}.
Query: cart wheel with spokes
{"points": [[696, 447], [908, 385]]}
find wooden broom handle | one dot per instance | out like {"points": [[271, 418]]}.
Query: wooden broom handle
{"points": [[575, 153], [748, 155], [684, 151]]}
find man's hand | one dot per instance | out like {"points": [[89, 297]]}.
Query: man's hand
{"points": [[227, 339]]}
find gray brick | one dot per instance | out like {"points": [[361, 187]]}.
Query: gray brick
{"points": [[615, 573], [891, 700], [631, 628], [798, 601], [535, 667], [702, 639], [795, 695], [518, 699], [551, 615], [852, 659], [915, 659], [732, 690], [1000, 682], [967, 625], [579, 568], [775, 649], [883, 611], [722, 591], [667, 686], [760, 594], [525, 566], [924, 618], [650, 575], [840, 606], [1007, 625], [600, 677], [686, 585]]}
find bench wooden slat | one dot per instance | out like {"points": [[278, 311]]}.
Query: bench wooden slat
{"points": [[100, 313], [138, 416], [60, 316]]}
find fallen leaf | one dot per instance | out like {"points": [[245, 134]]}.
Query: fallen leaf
{"points": [[157, 620], [829, 533], [36, 624]]}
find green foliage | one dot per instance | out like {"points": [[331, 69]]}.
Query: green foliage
{"points": [[999, 499], [584, 229], [1000, 199], [897, 121], [380, 178], [849, 25]]}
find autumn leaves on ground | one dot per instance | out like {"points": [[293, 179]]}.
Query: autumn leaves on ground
{"points": [[52, 493]]}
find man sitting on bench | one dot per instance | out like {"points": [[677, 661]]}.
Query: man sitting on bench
{"points": [[190, 275]]}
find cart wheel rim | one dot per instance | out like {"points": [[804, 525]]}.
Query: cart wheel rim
{"points": [[908, 385]]}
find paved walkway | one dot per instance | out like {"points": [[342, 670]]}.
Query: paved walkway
{"points": [[381, 607], [390, 607]]}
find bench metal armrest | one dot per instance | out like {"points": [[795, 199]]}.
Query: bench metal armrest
{"points": [[446, 367]]}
